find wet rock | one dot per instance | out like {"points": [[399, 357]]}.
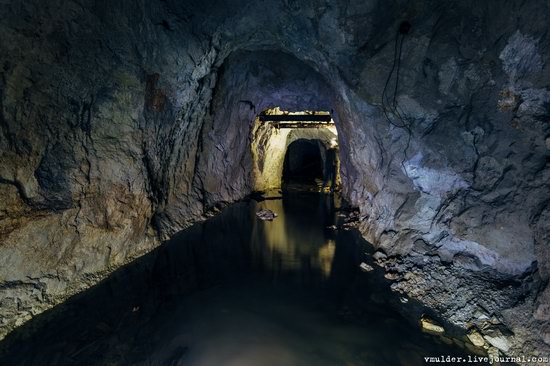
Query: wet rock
{"points": [[440, 284], [20, 321], [349, 225], [266, 215], [476, 338], [378, 256], [365, 267], [431, 326], [352, 216], [351, 220]]}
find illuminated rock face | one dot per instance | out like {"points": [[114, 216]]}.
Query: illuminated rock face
{"points": [[123, 122], [269, 147]]}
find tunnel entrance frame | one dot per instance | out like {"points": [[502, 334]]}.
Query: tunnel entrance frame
{"points": [[273, 132]]}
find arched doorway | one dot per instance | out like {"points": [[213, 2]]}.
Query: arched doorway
{"points": [[303, 164]]}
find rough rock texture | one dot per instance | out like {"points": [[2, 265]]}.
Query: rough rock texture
{"points": [[123, 122]]}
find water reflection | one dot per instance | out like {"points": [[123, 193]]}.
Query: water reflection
{"points": [[298, 240], [234, 291]]}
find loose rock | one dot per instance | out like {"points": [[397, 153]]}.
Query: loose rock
{"points": [[499, 342], [431, 326], [378, 256], [365, 267], [266, 215], [476, 338]]}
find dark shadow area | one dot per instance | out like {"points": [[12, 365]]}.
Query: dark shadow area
{"points": [[303, 163], [235, 290]]}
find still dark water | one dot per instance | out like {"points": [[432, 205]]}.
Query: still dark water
{"points": [[235, 291]]}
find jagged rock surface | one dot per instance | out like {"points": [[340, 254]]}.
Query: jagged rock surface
{"points": [[123, 122]]}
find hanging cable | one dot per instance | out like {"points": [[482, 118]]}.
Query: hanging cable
{"points": [[384, 96], [390, 106]]}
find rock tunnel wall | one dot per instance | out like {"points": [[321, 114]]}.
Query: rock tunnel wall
{"points": [[124, 122]]}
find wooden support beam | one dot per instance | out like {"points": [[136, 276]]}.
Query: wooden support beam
{"points": [[300, 124], [295, 117]]}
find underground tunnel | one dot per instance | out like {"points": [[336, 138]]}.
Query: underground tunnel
{"points": [[303, 163], [274, 183]]}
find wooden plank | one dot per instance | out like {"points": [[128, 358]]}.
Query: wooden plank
{"points": [[295, 117], [301, 124]]}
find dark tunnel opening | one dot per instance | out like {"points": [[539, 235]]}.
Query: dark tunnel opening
{"points": [[303, 163]]}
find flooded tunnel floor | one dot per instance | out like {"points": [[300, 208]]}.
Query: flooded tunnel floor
{"points": [[235, 290]]}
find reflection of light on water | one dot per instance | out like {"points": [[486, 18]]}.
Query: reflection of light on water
{"points": [[288, 246], [325, 256]]}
